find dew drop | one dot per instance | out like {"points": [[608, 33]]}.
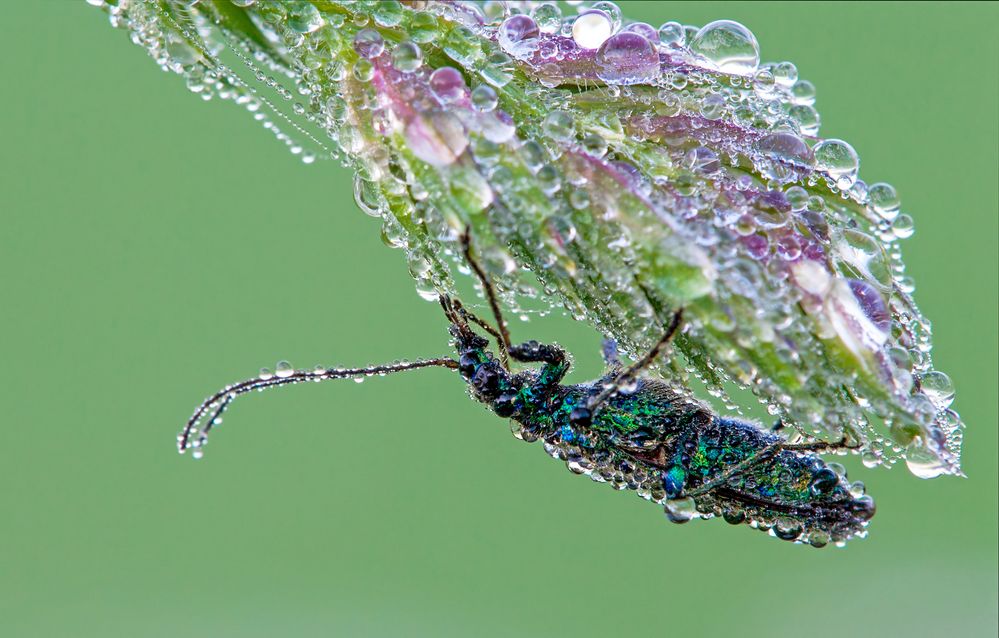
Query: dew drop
{"points": [[923, 462], [680, 510], [407, 57], [304, 17], [837, 159], [518, 35], [938, 388], [484, 98], [548, 17], [786, 148], [672, 34], [903, 226], [283, 369], [591, 29], [627, 58], [447, 84], [884, 200], [727, 46], [368, 43]]}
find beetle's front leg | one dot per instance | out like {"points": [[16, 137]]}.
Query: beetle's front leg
{"points": [[554, 358]]}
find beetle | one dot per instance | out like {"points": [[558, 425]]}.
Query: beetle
{"points": [[626, 428]]}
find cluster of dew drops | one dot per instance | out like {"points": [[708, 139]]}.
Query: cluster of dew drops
{"points": [[742, 175]]}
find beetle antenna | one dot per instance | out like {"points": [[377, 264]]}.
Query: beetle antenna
{"points": [[195, 432]]}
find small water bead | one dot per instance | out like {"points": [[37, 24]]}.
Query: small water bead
{"points": [[407, 57], [448, 84], [422, 27], [837, 159], [594, 145], [938, 388], [283, 370], [304, 17], [797, 197], [727, 46], [645, 30], [712, 106], [627, 58], [785, 74], [369, 43], [788, 248], [672, 35], [518, 35], [702, 160], [388, 13], [764, 83], [803, 92], [364, 70], [265, 374], [807, 118], [923, 462], [903, 226], [559, 126], [757, 245], [786, 148], [484, 98], [884, 200], [548, 17], [680, 510], [591, 29]]}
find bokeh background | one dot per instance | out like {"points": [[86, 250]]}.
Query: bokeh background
{"points": [[154, 247]]}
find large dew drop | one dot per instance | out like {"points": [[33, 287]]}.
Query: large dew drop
{"points": [[837, 159], [627, 58], [727, 46]]}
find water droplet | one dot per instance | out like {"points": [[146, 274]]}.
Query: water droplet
{"points": [[407, 57], [369, 43], [447, 84], [923, 462], [304, 17], [591, 29], [712, 106], [672, 35], [484, 98], [884, 200], [645, 30], [265, 374], [548, 17], [903, 226], [938, 388], [680, 510], [803, 92], [283, 369], [786, 148], [727, 46], [559, 126], [627, 58], [518, 35], [807, 118], [837, 159], [785, 74], [364, 70], [423, 27]]}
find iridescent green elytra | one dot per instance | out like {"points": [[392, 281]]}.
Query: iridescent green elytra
{"points": [[630, 431]]}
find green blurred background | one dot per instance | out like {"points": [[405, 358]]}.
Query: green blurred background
{"points": [[154, 247]]}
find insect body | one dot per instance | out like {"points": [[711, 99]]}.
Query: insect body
{"points": [[625, 429]]}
